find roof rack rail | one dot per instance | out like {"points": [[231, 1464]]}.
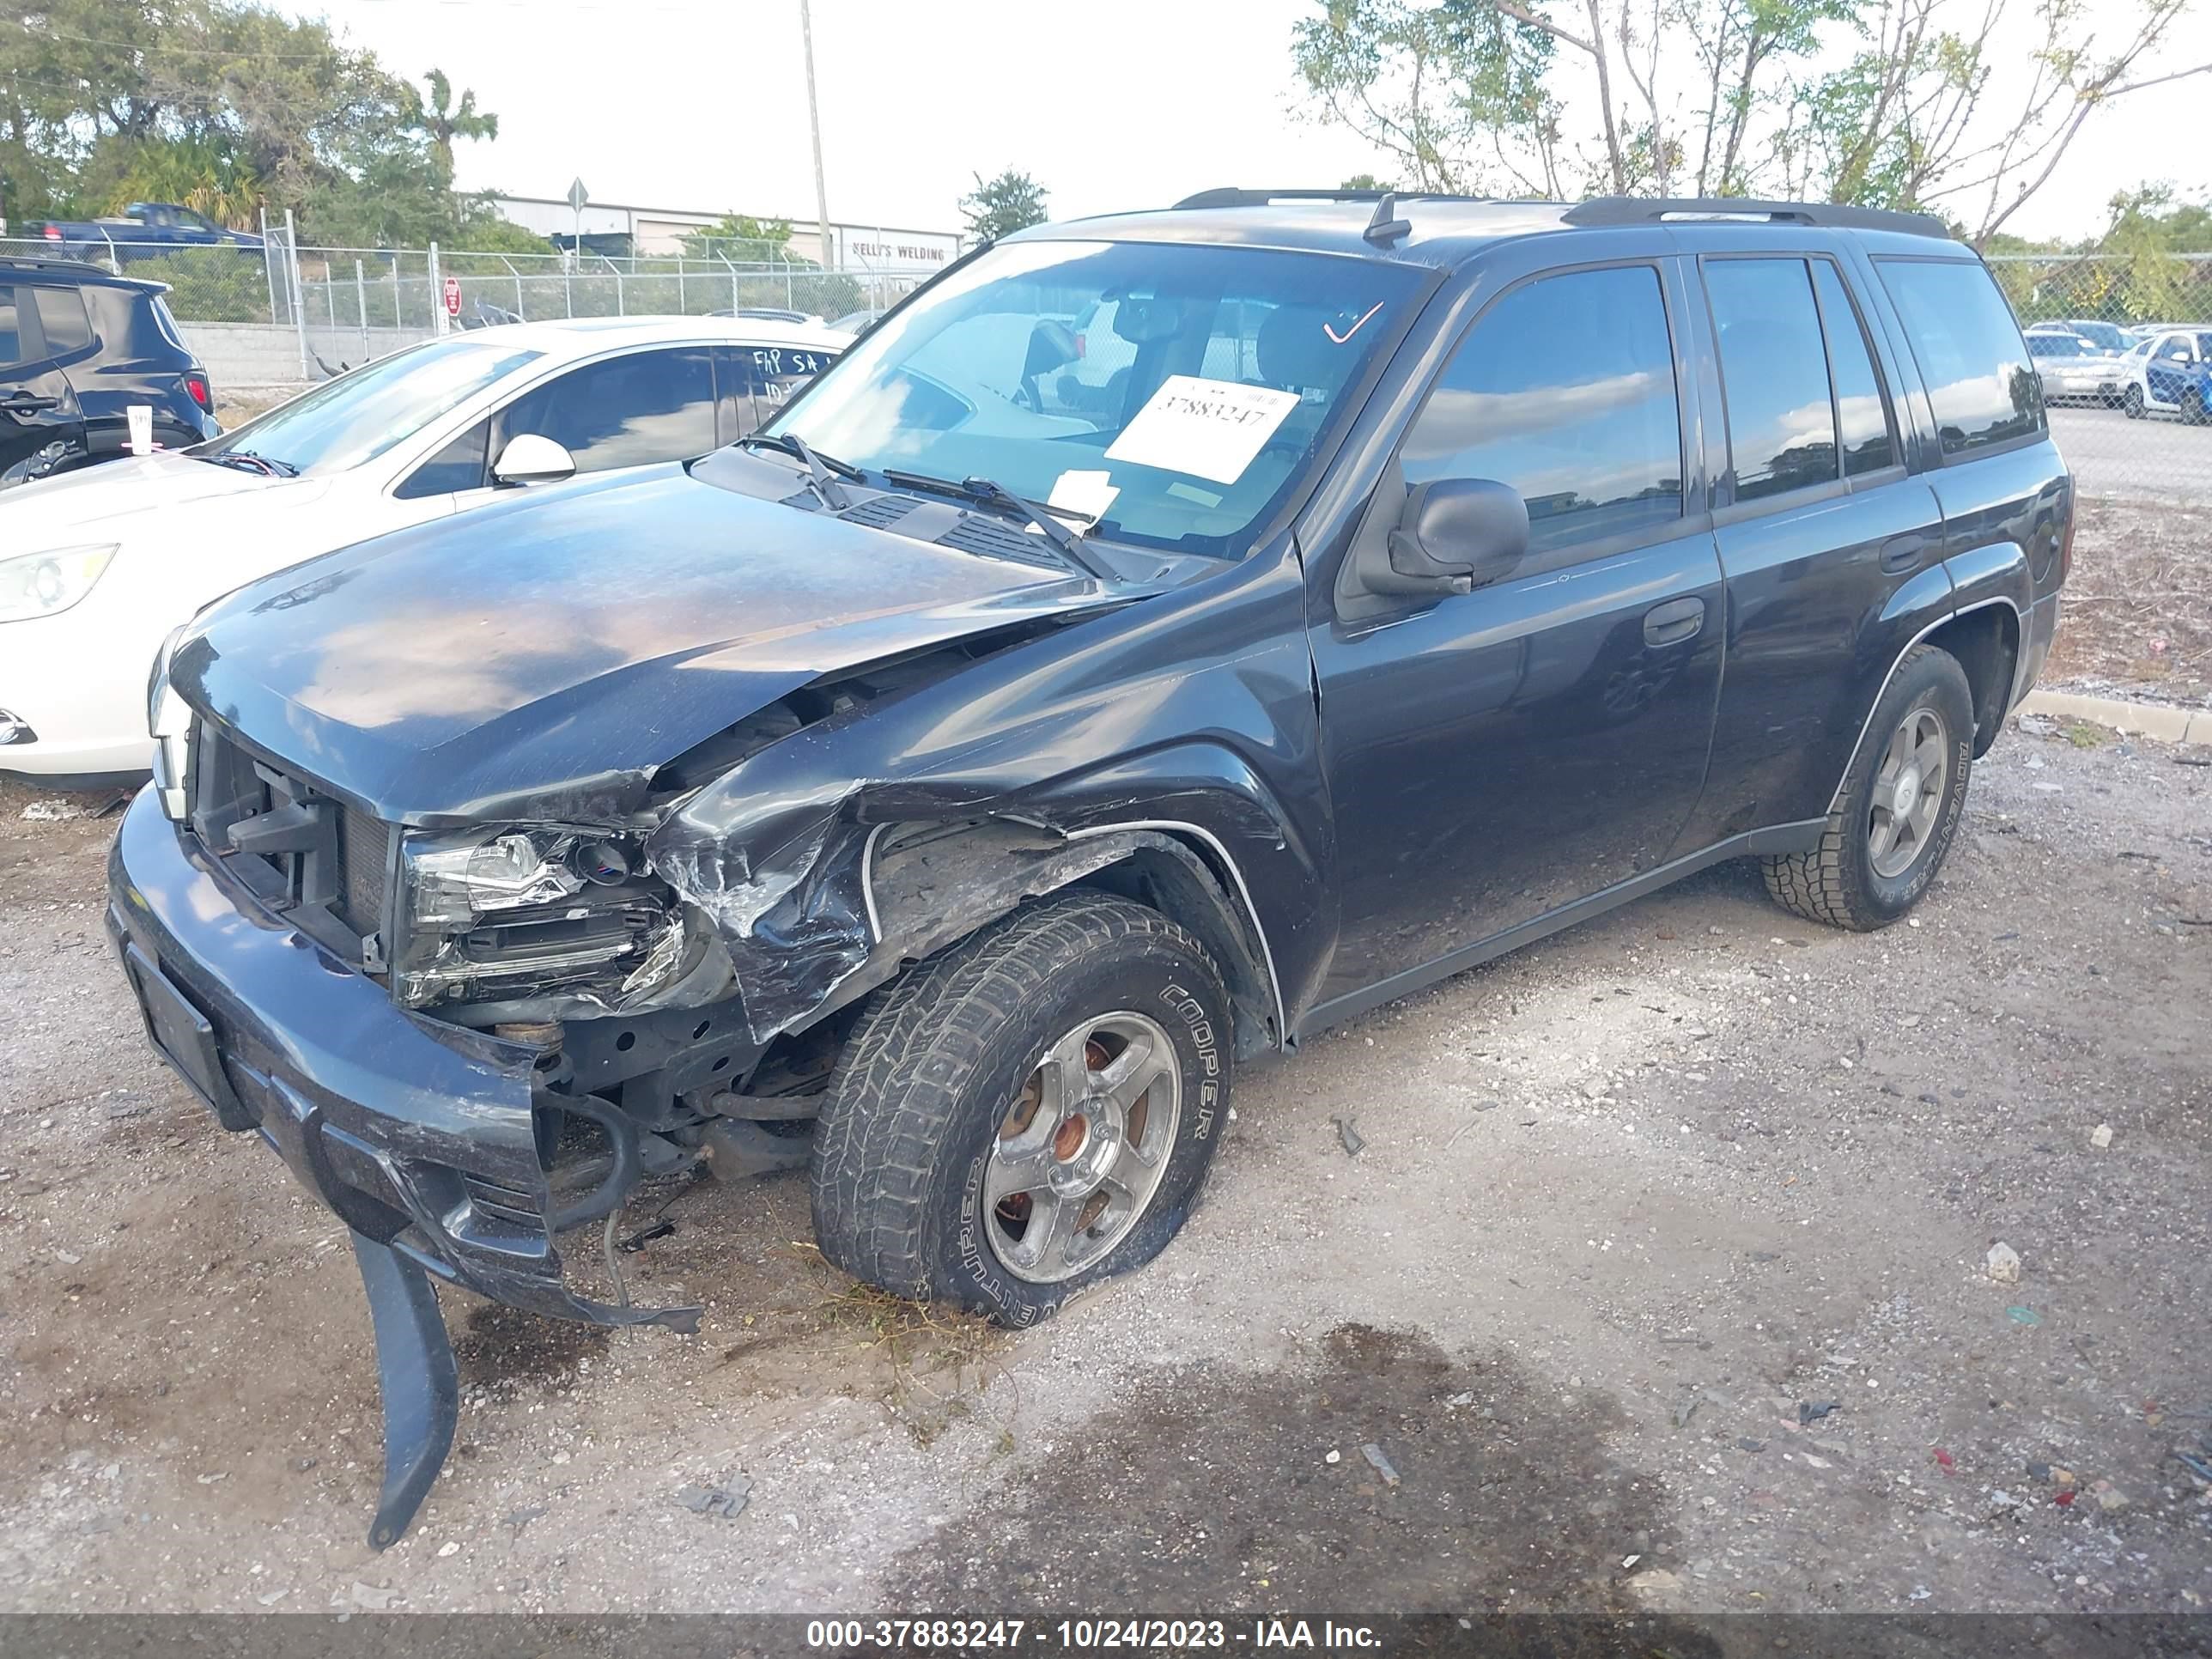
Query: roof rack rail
{"points": [[1231, 196], [44, 263], [1643, 210]]}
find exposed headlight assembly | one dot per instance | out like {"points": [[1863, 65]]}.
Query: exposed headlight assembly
{"points": [[512, 914], [48, 583]]}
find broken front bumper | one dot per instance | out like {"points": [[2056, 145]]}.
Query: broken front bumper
{"points": [[423, 1138]]}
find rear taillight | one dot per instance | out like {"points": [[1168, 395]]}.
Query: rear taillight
{"points": [[197, 387], [53, 233]]}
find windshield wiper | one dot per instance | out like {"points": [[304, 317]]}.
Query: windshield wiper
{"points": [[822, 471], [247, 460], [987, 492]]}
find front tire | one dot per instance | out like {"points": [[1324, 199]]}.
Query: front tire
{"points": [[1028, 1113], [2193, 412], [2132, 403], [1899, 806]]}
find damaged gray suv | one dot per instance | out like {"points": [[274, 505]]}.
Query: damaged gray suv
{"points": [[1159, 638]]}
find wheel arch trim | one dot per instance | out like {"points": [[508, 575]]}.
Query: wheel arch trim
{"points": [[1850, 760], [1213, 844]]}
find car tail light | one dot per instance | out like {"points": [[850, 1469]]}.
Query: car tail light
{"points": [[53, 233], [196, 387]]}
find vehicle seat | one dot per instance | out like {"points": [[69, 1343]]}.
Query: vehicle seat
{"points": [[1295, 352]]}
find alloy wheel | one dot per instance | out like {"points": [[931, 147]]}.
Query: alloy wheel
{"points": [[1908, 792], [1081, 1151]]}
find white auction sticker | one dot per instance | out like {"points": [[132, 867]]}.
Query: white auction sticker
{"points": [[139, 420], [1084, 494], [1209, 429]]}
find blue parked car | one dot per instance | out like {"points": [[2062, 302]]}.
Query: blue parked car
{"points": [[2172, 372]]}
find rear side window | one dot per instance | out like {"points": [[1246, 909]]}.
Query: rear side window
{"points": [[755, 382], [1861, 411], [1979, 379], [11, 338], [61, 316], [1781, 427], [1564, 389]]}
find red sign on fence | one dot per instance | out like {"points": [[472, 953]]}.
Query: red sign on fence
{"points": [[453, 296]]}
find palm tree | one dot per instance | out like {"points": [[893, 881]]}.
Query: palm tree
{"points": [[443, 121]]}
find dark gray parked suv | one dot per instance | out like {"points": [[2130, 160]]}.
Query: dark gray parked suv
{"points": [[948, 787]]}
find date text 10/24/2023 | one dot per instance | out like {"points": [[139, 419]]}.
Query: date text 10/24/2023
{"points": [[1089, 1635]]}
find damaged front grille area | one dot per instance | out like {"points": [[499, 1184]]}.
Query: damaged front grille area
{"points": [[365, 866], [305, 854]]}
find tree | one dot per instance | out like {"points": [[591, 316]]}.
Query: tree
{"points": [[998, 207], [1365, 181], [742, 240], [229, 108], [1724, 96], [441, 121]]}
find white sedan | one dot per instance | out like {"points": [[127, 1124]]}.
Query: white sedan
{"points": [[97, 567]]}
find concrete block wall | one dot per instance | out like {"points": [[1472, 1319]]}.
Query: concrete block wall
{"points": [[242, 354]]}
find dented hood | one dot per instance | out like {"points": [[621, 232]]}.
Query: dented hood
{"points": [[540, 658]]}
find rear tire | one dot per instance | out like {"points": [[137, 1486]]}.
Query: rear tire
{"points": [[2132, 403], [2192, 407], [979, 1098], [1899, 806]]}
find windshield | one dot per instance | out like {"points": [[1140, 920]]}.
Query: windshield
{"points": [[357, 416], [1171, 391], [2054, 345]]}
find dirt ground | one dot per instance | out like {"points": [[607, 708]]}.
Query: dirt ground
{"points": [[2138, 609], [1634, 1206]]}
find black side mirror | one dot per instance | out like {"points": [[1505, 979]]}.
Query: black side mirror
{"points": [[1456, 535]]}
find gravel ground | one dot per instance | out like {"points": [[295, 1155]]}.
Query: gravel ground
{"points": [[1633, 1204], [2138, 608]]}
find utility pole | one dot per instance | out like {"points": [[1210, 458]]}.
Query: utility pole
{"points": [[814, 126]]}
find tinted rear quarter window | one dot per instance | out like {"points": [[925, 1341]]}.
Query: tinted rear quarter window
{"points": [[1564, 389], [1979, 379], [11, 339]]}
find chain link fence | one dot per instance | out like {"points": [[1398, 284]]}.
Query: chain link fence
{"points": [[2122, 344], [230, 283], [264, 314], [2149, 290]]}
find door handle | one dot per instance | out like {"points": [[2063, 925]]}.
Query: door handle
{"points": [[22, 403], [1903, 552], [1673, 621]]}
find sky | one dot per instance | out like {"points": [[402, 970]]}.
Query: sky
{"points": [[702, 104]]}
